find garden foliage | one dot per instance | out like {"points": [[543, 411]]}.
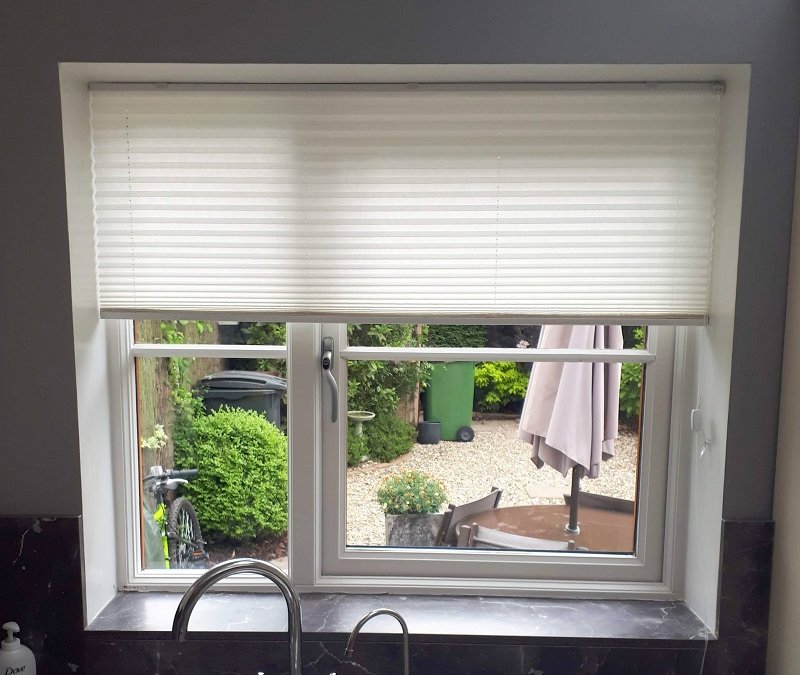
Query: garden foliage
{"points": [[174, 333], [383, 439], [499, 384], [411, 492], [357, 448], [240, 493], [456, 336], [267, 334], [388, 437], [630, 387], [379, 386]]}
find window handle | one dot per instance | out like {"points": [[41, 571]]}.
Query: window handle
{"points": [[327, 362]]}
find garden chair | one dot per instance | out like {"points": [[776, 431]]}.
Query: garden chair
{"points": [[602, 502], [475, 536], [453, 515]]}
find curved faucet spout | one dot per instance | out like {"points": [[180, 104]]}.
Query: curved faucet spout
{"points": [[348, 652], [180, 623]]}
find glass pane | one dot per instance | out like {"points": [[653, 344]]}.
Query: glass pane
{"points": [[209, 332], [422, 335], [482, 336], [220, 430], [387, 335], [422, 436]]}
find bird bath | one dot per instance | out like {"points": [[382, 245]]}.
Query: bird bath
{"points": [[359, 417]]}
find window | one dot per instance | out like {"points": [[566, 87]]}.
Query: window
{"points": [[210, 400], [170, 360], [351, 546], [333, 207]]}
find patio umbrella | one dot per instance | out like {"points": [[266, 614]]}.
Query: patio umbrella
{"points": [[571, 410]]}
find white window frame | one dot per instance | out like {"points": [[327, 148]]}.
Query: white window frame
{"points": [[518, 572], [127, 352], [692, 531], [321, 448]]}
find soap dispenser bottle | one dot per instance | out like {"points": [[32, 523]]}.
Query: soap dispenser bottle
{"points": [[15, 658]]}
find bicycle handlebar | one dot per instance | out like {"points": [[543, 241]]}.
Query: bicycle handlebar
{"points": [[172, 474], [186, 474]]}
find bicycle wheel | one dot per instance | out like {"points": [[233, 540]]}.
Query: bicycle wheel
{"points": [[185, 540]]}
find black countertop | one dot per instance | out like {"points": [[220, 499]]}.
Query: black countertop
{"points": [[472, 619]]}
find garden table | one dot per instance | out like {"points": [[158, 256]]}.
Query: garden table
{"points": [[600, 529]]}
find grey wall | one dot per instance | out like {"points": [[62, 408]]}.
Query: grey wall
{"points": [[784, 617], [38, 429]]}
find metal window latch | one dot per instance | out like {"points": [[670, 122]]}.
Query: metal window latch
{"points": [[696, 425], [327, 363]]}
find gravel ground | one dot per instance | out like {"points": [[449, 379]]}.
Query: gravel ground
{"points": [[468, 470]]}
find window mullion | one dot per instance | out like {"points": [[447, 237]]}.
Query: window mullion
{"points": [[497, 354], [304, 432], [210, 351]]}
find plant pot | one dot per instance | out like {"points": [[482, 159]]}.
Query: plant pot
{"points": [[412, 529], [429, 433]]}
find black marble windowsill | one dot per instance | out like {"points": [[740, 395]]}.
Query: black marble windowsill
{"points": [[431, 619]]}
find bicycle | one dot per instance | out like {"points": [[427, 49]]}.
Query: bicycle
{"points": [[181, 539]]}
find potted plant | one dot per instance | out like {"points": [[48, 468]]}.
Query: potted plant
{"points": [[410, 501]]}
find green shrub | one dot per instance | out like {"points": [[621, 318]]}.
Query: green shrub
{"points": [[387, 437], [356, 447], [411, 492], [240, 493], [456, 336], [383, 439], [499, 384], [630, 386]]}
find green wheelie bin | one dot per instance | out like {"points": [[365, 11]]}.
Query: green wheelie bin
{"points": [[448, 399]]}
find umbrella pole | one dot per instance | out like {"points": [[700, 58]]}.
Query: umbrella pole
{"points": [[577, 473]]}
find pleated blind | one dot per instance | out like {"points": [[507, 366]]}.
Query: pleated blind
{"points": [[362, 203]]}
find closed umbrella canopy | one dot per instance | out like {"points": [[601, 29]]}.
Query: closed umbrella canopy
{"points": [[571, 410]]}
